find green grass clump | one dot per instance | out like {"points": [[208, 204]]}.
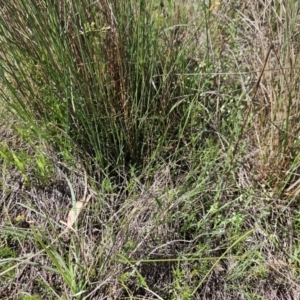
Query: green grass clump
{"points": [[108, 81], [169, 131]]}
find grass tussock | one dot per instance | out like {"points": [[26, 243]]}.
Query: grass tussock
{"points": [[168, 133]]}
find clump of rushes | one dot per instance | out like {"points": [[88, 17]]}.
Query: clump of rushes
{"points": [[98, 75]]}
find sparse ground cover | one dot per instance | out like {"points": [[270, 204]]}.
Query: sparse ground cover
{"points": [[149, 150]]}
